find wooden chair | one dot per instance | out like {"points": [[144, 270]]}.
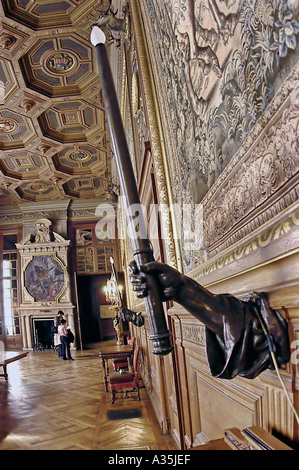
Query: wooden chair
{"points": [[128, 381], [122, 363]]}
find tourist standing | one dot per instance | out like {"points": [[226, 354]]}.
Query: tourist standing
{"points": [[63, 333]]}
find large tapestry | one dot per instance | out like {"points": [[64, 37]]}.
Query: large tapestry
{"points": [[221, 64]]}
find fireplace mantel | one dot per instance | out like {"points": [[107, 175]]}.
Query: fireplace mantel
{"points": [[45, 286]]}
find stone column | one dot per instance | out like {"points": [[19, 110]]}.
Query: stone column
{"points": [[24, 337], [28, 332]]}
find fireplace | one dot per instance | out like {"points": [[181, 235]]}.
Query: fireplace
{"points": [[45, 285], [37, 323], [42, 334]]}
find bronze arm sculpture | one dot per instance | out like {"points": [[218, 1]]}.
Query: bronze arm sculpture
{"points": [[236, 343], [130, 316]]}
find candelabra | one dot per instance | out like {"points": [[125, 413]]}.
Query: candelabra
{"points": [[113, 294]]}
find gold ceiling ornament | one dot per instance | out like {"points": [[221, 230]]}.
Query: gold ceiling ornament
{"points": [[60, 62], [79, 156], [7, 125], [38, 187]]}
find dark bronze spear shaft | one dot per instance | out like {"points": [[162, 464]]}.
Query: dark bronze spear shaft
{"points": [[142, 250]]}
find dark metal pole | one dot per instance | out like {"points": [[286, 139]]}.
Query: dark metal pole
{"points": [[142, 250]]}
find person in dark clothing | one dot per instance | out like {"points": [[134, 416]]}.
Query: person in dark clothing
{"points": [[70, 335], [66, 352], [59, 317]]}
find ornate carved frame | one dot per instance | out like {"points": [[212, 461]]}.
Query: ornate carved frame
{"points": [[57, 247], [44, 243]]}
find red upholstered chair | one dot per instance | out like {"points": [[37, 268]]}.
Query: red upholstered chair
{"points": [[122, 363], [128, 381]]}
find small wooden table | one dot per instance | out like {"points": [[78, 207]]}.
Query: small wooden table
{"points": [[7, 357], [113, 352]]}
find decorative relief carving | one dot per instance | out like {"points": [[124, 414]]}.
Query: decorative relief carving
{"points": [[272, 162], [29, 216], [177, 329], [83, 214], [11, 219], [194, 333], [43, 231], [12, 40], [7, 41], [27, 105], [138, 106], [286, 225], [44, 262], [145, 371]]}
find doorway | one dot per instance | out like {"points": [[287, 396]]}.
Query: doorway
{"points": [[91, 296]]}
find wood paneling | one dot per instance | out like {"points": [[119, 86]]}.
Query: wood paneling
{"points": [[210, 405]]}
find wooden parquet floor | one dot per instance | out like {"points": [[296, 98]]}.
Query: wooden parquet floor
{"points": [[49, 404]]}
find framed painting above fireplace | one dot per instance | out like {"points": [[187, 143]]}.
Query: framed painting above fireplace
{"points": [[44, 278]]}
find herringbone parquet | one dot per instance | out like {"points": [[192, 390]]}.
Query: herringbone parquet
{"points": [[49, 404]]}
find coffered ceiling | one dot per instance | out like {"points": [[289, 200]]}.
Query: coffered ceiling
{"points": [[54, 141]]}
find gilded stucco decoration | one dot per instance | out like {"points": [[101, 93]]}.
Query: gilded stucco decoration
{"points": [[135, 93], [226, 74]]}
